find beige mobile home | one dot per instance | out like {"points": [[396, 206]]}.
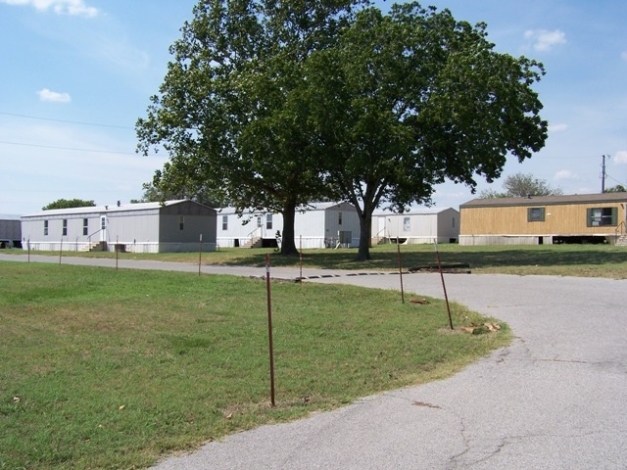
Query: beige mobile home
{"points": [[418, 226], [543, 219], [139, 228]]}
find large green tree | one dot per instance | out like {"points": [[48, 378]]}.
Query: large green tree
{"points": [[231, 111], [410, 98]]}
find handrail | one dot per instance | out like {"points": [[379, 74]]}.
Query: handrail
{"points": [[620, 228], [250, 235], [91, 235]]}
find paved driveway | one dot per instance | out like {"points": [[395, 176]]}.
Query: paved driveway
{"points": [[555, 399]]}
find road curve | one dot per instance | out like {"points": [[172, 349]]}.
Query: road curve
{"points": [[556, 398]]}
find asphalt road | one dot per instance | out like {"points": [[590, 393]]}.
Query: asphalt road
{"points": [[555, 399]]}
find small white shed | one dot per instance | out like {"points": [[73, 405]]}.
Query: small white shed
{"points": [[418, 226], [317, 225], [153, 227]]}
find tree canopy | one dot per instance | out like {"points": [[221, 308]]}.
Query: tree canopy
{"points": [[68, 203], [522, 185], [231, 110], [169, 184], [413, 97], [275, 104]]}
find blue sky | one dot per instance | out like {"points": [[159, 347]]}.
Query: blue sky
{"points": [[78, 73]]}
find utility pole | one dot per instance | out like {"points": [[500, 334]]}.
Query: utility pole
{"points": [[603, 174]]}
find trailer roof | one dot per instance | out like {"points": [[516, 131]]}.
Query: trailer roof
{"points": [[547, 200], [140, 206]]}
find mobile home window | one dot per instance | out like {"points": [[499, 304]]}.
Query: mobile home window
{"points": [[225, 222], [339, 218], [535, 214], [85, 226], [269, 221], [181, 222], [258, 221], [406, 224], [600, 216], [45, 228], [64, 227]]}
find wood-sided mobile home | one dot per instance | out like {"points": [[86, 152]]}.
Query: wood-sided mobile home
{"points": [[543, 219], [154, 227], [418, 226], [317, 225]]}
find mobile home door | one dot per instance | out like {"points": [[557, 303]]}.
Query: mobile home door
{"points": [[103, 228]]}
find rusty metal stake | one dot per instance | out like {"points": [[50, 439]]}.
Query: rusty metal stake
{"points": [[301, 259], [270, 342], [448, 307], [199, 253], [400, 270]]}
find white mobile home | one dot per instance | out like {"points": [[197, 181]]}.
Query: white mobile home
{"points": [[318, 225], [420, 226], [253, 228], [139, 228], [10, 231]]}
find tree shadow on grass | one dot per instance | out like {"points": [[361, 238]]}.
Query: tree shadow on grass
{"points": [[475, 257]]}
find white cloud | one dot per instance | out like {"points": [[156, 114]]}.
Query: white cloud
{"points": [[565, 175], [61, 7], [53, 96], [558, 127], [543, 40], [624, 55], [620, 157]]}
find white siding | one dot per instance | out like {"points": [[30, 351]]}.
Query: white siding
{"points": [[238, 232], [417, 227], [135, 226], [316, 227]]}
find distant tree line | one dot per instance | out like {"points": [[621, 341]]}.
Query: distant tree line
{"points": [[68, 203], [522, 185]]}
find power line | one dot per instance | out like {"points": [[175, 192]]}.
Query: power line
{"points": [[82, 123], [68, 148], [612, 178]]}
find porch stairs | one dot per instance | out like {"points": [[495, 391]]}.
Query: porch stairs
{"points": [[622, 240], [100, 246], [254, 242]]}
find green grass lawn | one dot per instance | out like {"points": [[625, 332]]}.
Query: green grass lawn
{"points": [[560, 260], [115, 369]]}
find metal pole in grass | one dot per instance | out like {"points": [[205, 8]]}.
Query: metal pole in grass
{"points": [[400, 269], [448, 307], [28, 247], [117, 250], [300, 254], [199, 253], [271, 348]]}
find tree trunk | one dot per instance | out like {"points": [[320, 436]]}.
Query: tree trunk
{"points": [[365, 223], [288, 244]]}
